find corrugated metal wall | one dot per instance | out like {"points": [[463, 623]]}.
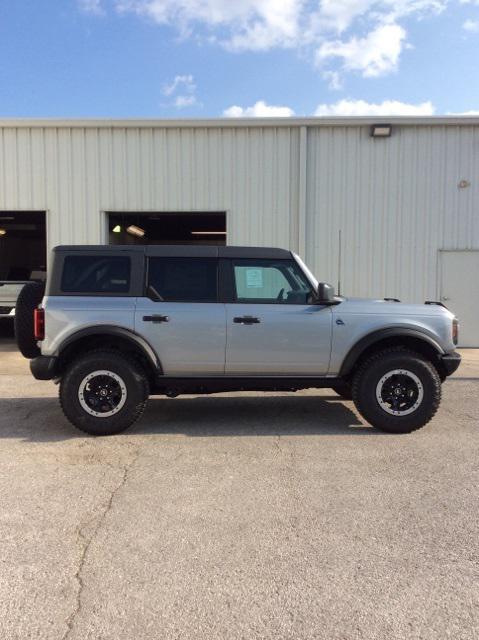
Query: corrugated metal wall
{"points": [[396, 200], [77, 173]]}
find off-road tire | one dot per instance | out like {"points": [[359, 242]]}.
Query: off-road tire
{"points": [[378, 365], [29, 298], [135, 381], [343, 389]]}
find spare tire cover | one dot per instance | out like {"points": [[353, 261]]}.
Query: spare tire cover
{"points": [[28, 299]]}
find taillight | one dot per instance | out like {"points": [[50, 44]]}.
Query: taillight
{"points": [[39, 324], [455, 330]]}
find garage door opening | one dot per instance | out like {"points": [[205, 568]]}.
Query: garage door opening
{"points": [[23, 255], [167, 228], [23, 245]]}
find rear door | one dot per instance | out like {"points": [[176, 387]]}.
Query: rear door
{"points": [[186, 325], [272, 327]]}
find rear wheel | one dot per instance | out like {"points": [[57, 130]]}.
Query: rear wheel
{"points": [[103, 392], [397, 390]]}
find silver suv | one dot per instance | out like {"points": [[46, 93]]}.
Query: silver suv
{"points": [[118, 324]]}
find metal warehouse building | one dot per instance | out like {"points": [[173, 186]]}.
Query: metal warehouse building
{"points": [[406, 204]]}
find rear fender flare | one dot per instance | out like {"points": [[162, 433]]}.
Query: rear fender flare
{"points": [[111, 330]]}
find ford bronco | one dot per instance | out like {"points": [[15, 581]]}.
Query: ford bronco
{"points": [[117, 324]]}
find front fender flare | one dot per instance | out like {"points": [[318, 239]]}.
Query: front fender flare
{"points": [[377, 336]]}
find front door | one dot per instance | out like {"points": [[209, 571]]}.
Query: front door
{"points": [[460, 292], [185, 324], [272, 329]]}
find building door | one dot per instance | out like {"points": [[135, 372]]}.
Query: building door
{"points": [[460, 292]]}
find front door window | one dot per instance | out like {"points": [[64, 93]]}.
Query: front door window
{"points": [[270, 282]]}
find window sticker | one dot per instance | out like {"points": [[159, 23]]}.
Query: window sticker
{"points": [[254, 278]]}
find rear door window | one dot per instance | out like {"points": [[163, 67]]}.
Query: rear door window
{"points": [[96, 274], [184, 279]]}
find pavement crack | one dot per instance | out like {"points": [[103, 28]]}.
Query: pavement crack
{"points": [[277, 443], [86, 541]]}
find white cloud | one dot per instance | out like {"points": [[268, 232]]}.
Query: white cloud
{"points": [[267, 24], [376, 54], [339, 15], [471, 25], [186, 83], [334, 80], [385, 108], [182, 90], [341, 108], [373, 46], [185, 101], [251, 24], [465, 113], [91, 6], [259, 110]]}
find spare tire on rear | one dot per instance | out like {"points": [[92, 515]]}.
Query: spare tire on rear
{"points": [[28, 299]]}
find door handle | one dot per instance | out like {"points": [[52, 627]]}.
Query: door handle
{"points": [[246, 320], [156, 319]]}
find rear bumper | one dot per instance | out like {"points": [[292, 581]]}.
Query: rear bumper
{"points": [[450, 362], [44, 367]]}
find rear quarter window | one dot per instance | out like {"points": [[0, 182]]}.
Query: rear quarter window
{"points": [[96, 274]]}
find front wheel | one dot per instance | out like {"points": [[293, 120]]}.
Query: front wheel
{"points": [[397, 390], [103, 392]]}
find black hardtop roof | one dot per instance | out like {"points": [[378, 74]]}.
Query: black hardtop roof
{"points": [[192, 251]]}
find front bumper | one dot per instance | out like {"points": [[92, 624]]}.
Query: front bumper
{"points": [[451, 362], [44, 367]]}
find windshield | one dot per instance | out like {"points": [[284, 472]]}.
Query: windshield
{"points": [[306, 272]]}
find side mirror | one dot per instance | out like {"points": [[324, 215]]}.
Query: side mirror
{"points": [[325, 294]]}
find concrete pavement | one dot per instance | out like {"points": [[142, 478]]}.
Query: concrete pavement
{"points": [[238, 516]]}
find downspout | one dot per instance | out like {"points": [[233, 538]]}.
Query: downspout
{"points": [[303, 154]]}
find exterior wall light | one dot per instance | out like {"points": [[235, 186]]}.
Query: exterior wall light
{"points": [[381, 131], [3, 232], [135, 231]]}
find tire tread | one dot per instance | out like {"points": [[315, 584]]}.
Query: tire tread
{"points": [[139, 373], [390, 423]]}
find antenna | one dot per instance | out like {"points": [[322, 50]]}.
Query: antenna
{"points": [[339, 264]]}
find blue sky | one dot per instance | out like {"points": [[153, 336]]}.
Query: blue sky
{"points": [[208, 58]]}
